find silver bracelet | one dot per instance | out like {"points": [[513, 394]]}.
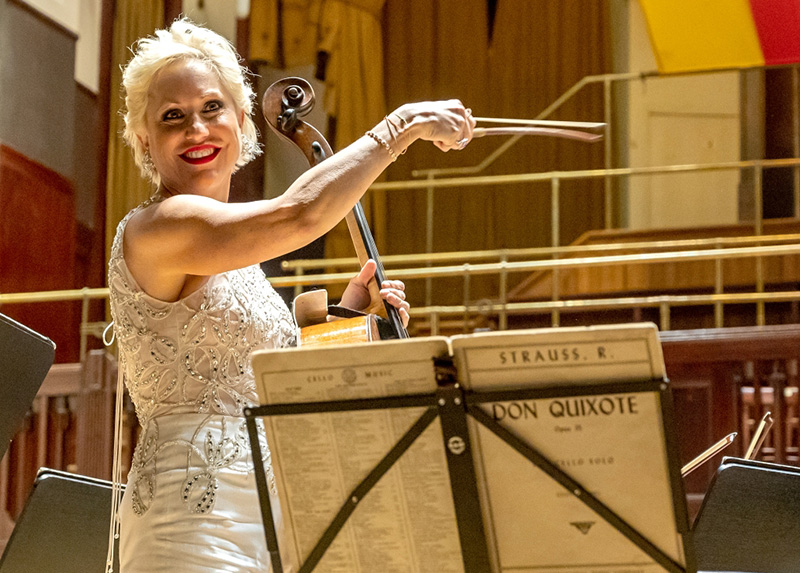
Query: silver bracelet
{"points": [[383, 142]]}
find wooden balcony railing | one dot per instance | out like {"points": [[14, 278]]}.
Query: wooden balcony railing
{"points": [[724, 380]]}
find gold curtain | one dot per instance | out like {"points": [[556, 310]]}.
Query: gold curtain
{"points": [[350, 33], [297, 32], [263, 38], [133, 19], [536, 51]]}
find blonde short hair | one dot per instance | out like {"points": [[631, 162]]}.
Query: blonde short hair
{"points": [[184, 40]]}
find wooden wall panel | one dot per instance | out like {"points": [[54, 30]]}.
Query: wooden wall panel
{"points": [[37, 247], [537, 50]]}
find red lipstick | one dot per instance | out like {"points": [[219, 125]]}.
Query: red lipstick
{"points": [[200, 154]]}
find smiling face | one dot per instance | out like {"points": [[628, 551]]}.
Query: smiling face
{"points": [[193, 129]]}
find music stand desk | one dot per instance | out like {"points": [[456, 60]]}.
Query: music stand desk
{"points": [[25, 359], [457, 407], [749, 520], [63, 527]]}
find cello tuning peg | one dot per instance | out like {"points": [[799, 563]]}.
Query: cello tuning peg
{"points": [[319, 153], [287, 120]]}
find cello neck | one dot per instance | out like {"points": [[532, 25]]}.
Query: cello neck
{"points": [[365, 243], [283, 104]]}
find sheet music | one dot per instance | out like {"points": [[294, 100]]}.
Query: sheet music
{"points": [[611, 444], [407, 522]]}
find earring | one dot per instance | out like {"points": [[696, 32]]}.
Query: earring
{"points": [[148, 166]]}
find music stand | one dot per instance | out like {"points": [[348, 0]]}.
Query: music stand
{"points": [[63, 527], [25, 358], [339, 373], [750, 519]]}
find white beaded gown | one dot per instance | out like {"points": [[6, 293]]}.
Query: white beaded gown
{"points": [[191, 501]]}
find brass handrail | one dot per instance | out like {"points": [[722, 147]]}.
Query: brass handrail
{"points": [[435, 312], [503, 307], [547, 264], [54, 295], [458, 270], [424, 258], [509, 179], [605, 79], [665, 302]]}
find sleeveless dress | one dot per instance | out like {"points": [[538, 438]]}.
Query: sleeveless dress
{"points": [[191, 502]]}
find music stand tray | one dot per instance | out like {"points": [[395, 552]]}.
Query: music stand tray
{"points": [[750, 519], [396, 456], [63, 527], [25, 358]]}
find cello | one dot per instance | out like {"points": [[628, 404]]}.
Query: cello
{"points": [[284, 104]]}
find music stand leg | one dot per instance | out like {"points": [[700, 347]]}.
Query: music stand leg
{"points": [[263, 495], [464, 484]]}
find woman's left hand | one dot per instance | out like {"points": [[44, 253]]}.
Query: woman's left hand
{"points": [[356, 295]]}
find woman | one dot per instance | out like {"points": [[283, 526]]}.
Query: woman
{"points": [[190, 303]]}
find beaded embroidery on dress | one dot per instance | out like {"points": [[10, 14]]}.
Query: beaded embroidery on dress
{"points": [[190, 503]]}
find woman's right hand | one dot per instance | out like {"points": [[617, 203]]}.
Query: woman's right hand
{"points": [[448, 124]]}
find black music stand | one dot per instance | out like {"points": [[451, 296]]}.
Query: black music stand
{"points": [[63, 528], [454, 405], [25, 359], [750, 519]]}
